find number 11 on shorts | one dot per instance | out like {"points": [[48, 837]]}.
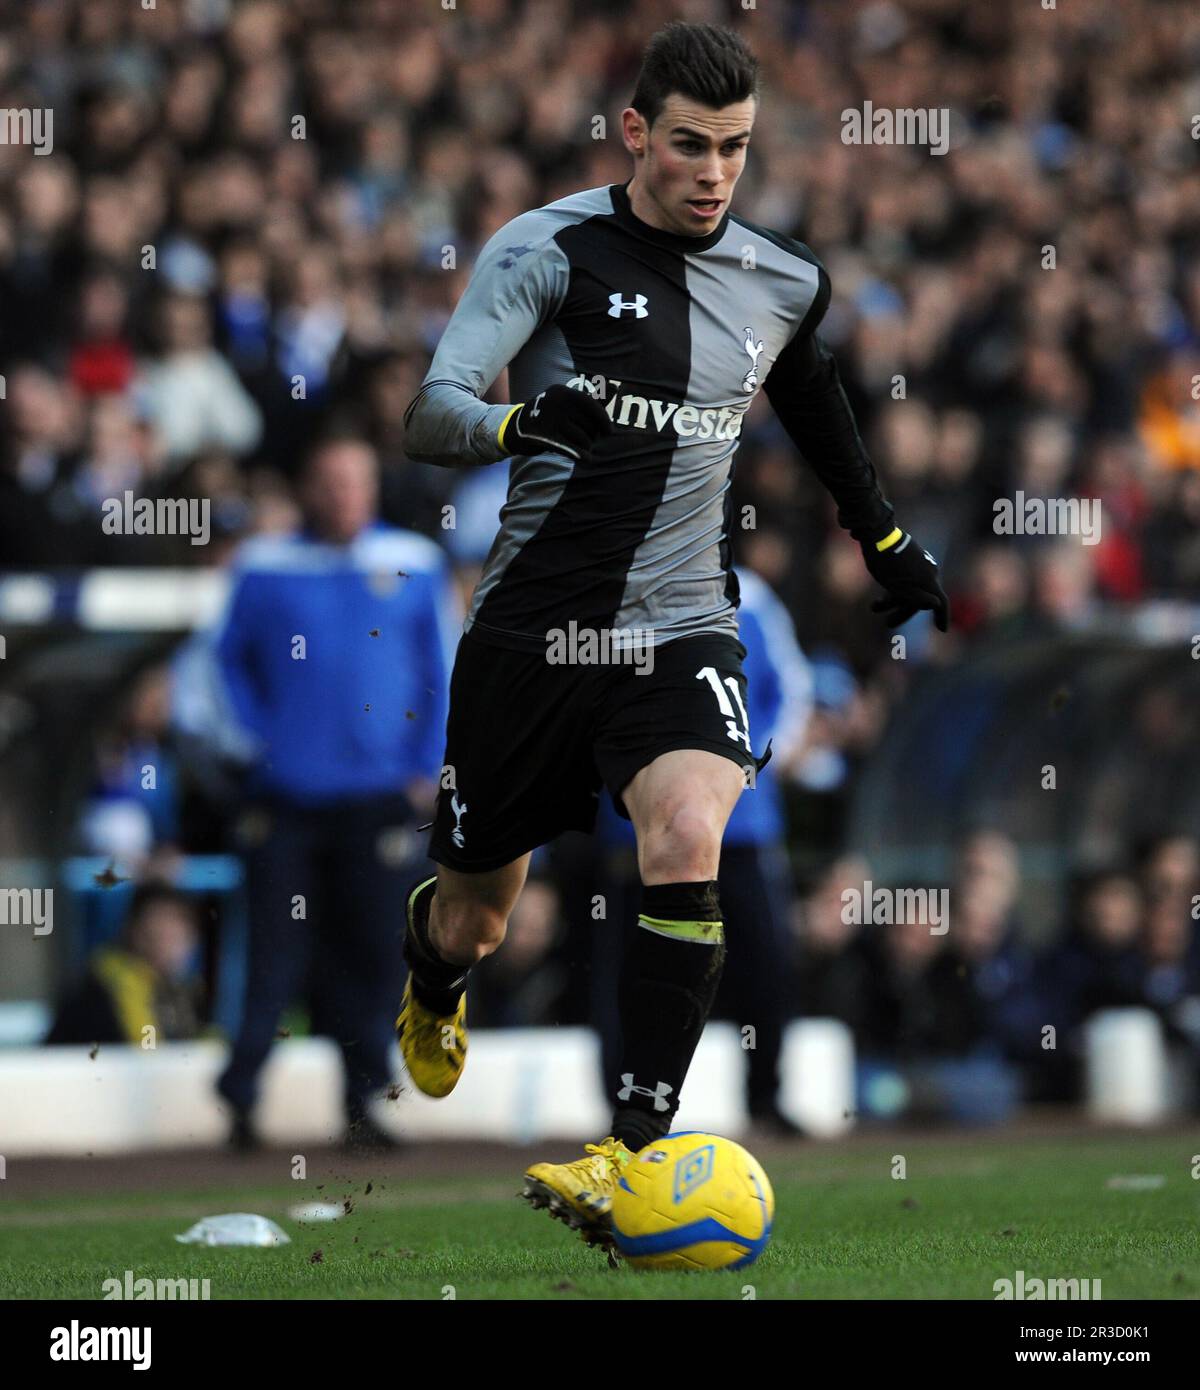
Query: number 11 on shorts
{"points": [[739, 735]]}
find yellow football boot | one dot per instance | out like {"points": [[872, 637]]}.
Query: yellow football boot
{"points": [[434, 1048], [581, 1193]]}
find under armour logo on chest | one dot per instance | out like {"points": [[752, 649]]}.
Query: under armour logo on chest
{"points": [[617, 306]]}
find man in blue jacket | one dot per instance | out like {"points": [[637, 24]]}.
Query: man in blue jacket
{"points": [[755, 876], [334, 658]]}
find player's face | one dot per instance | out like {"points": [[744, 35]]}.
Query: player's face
{"points": [[688, 163]]}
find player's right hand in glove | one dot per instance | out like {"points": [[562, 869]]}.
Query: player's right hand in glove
{"points": [[558, 418], [910, 576]]}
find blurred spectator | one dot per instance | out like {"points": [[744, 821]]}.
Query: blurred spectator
{"points": [[133, 807], [924, 1048], [985, 938], [192, 394], [1170, 946], [1171, 987], [102, 355], [38, 513], [1169, 867], [333, 662], [142, 989], [833, 968], [1095, 966]]}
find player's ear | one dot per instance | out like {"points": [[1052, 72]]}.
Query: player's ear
{"points": [[635, 130]]}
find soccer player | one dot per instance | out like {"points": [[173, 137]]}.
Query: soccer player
{"points": [[637, 322]]}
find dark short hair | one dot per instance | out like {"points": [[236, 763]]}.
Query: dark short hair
{"points": [[340, 429], [154, 893], [710, 65]]}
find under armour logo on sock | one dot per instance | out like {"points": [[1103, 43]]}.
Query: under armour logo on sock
{"points": [[659, 1094]]}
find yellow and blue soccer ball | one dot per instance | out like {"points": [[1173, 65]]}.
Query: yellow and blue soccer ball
{"points": [[692, 1201]]}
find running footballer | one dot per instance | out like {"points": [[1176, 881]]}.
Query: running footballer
{"points": [[637, 321]]}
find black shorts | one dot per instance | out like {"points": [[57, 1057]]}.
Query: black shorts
{"points": [[529, 744]]}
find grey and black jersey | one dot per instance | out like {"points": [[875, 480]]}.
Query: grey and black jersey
{"points": [[674, 335]]}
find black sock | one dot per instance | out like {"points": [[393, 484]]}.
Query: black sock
{"points": [[437, 983], [669, 980]]}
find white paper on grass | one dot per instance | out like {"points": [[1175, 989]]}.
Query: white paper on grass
{"points": [[316, 1211], [235, 1228]]}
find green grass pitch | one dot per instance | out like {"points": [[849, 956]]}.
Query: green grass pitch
{"points": [[969, 1212]]}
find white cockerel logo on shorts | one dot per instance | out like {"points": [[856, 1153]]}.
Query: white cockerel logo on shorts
{"points": [[460, 810]]}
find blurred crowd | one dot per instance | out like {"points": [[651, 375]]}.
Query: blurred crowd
{"points": [[257, 217], [965, 1020]]}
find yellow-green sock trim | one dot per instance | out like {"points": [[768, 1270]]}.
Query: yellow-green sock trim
{"points": [[703, 933]]}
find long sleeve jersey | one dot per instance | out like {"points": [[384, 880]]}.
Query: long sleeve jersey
{"points": [[674, 335]]}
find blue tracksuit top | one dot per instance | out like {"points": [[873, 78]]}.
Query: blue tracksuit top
{"points": [[333, 711], [779, 704]]}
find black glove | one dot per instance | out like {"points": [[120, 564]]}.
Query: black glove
{"points": [[558, 418], [910, 576]]}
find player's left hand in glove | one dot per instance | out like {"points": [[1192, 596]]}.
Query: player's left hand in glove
{"points": [[910, 576], [558, 418]]}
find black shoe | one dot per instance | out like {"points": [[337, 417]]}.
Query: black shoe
{"points": [[364, 1136], [243, 1137], [772, 1123]]}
